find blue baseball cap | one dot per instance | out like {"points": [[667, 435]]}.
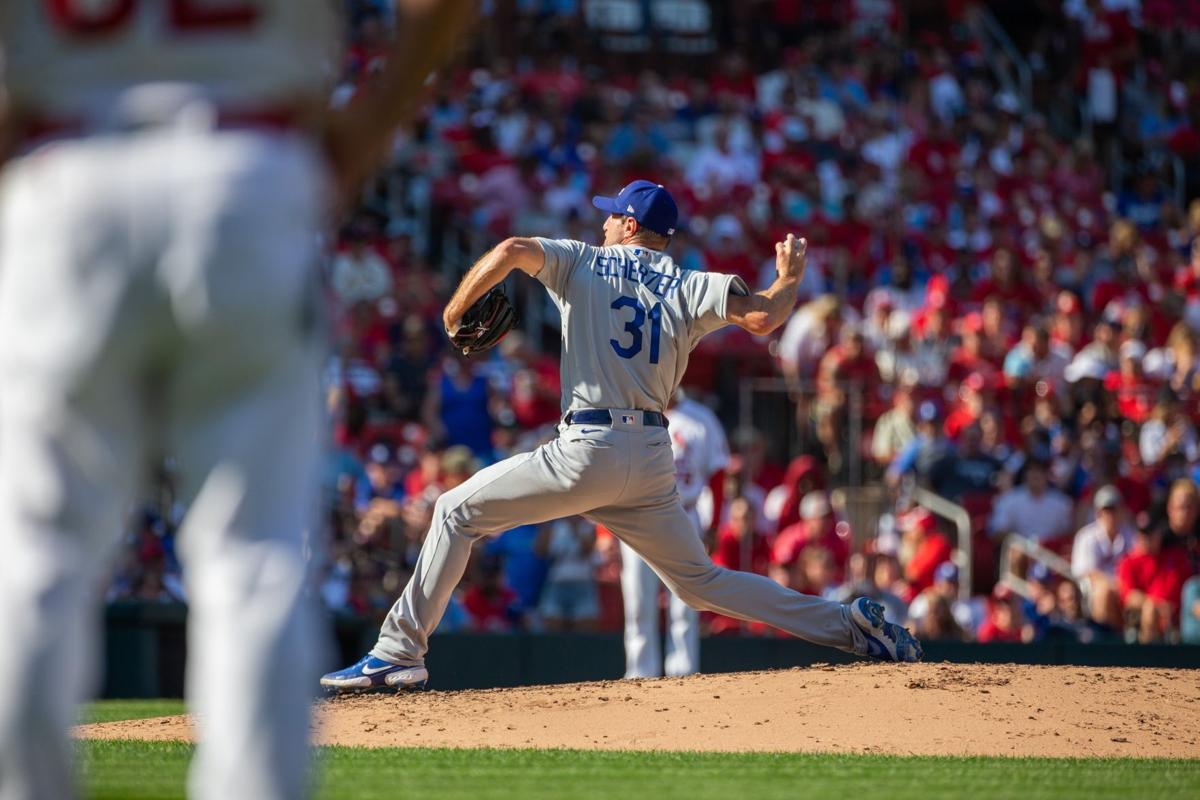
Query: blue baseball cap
{"points": [[647, 202]]}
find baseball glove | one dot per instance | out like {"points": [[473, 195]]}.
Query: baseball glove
{"points": [[486, 322]]}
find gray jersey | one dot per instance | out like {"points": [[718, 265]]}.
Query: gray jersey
{"points": [[630, 318]]}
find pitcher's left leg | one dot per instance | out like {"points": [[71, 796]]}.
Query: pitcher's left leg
{"points": [[559, 479], [663, 534]]}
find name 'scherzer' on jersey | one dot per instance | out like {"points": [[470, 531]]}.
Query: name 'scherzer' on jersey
{"points": [[619, 265]]}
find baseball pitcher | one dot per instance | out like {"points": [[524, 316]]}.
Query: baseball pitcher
{"points": [[169, 166], [701, 451], [630, 318]]}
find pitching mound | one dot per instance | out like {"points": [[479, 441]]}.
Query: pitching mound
{"points": [[923, 709]]}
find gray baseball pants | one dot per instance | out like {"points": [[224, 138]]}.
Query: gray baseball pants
{"points": [[622, 477]]}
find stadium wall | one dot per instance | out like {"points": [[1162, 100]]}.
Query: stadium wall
{"points": [[146, 650]]}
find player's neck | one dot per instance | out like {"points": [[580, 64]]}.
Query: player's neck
{"points": [[657, 243]]}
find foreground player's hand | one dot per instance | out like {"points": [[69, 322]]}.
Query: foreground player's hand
{"points": [[790, 257]]}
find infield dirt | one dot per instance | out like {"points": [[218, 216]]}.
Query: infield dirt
{"points": [[918, 709]]}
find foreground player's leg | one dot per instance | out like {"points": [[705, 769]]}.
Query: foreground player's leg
{"points": [[57, 528], [245, 406], [253, 646], [71, 431]]}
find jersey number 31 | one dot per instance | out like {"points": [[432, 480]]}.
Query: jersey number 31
{"points": [[634, 328]]}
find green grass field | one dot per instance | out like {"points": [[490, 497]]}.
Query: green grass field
{"points": [[141, 771]]}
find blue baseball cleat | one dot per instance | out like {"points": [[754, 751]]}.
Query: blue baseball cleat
{"points": [[371, 673], [886, 641]]}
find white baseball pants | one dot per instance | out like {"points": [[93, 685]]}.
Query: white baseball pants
{"points": [[640, 588], [157, 295], [622, 477]]}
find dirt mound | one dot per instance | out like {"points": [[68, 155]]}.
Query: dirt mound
{"points": [[922, 709]]}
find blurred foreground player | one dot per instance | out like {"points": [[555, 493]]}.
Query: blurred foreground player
{"points": [[169, 167]]}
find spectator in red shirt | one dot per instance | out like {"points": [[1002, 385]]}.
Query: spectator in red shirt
{"points": [[739, 536], [1005, 621], [804, 474], [817, 526], [729, 253], [845, 365], [1150, 580], [1135, 394], [534, 394], [1006, 285], [1187, 278], [491, 605], [972, 400], [1068, 325], [973, 355], [925, 546]]}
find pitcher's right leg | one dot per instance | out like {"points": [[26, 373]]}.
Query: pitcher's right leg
{"points": [[567, 476]]}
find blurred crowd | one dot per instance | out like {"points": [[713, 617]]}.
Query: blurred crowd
{"points": [[1002, 303]]}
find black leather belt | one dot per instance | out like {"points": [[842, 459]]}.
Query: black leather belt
{"points": [[602, 416]]}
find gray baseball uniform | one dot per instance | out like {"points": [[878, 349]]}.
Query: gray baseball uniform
{"points": [[630, 318]]}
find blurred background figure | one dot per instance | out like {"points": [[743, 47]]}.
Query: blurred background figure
{"points": [[160, 308], [701, 454]]}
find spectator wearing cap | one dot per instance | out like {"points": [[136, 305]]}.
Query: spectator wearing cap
{"points": [[804, 474], [817, 526], [1099, 546], [972, 399], [385, 474], [922, 548], [1135, 394], [1088, 369], [945, 589], [1034, 509], [1150, 579], [1005, 621], [895, 429]]}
